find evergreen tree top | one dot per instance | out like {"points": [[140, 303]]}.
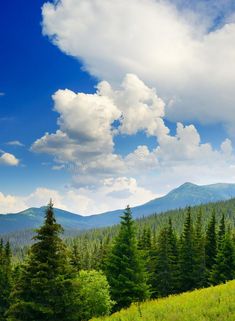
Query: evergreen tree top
{"points": [[126, 217], [50, 228]]}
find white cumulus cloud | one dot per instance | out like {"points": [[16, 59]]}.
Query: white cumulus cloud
{"points": [[88, 151], [86, 125], [112, 194], [180, 51]]}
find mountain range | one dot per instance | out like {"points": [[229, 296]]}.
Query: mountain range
{"points": [[187, 194]]}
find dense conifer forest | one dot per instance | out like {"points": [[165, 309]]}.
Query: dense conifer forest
{"points": [[105, 270]]}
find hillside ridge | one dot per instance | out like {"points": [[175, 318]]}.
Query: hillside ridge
{"points": [[188, 194]]}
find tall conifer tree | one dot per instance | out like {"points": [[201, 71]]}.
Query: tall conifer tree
{"points": [[164, 263], [173, 255], [199, 264], [222, 231], [187, 255], [224, 268], [75, 258], [43, 291], [125, 267], [5, 278], [160, 276], [211, 244]]}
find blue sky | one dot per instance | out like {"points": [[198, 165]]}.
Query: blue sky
{"points": [[163, 63]]}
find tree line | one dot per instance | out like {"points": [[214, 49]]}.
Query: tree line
{"points": [[60, 282]]}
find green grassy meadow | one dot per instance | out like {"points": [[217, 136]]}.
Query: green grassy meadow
{"points": [[210, 304]]}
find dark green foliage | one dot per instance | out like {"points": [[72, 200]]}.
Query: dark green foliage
{"points": [[5, 278], [222, 231], [164, 263], [192, 251], [125, 267], [145, 241], [161, 275], [187, 255], [101, 252], [146, 247], [199, 248], [75, 258], [43, 288], [211, 244], [160, 281], [224, 268], [173, 254]]}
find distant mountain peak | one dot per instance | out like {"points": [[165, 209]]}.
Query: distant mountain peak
{"points": [[187, 184], [188, 194], [184, 187]]}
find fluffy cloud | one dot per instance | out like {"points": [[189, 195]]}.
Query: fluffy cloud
{"points": [[8, 159], [141, 108], [10, 204], [184, 53], [84, 142], [184, 146], [181, 158], [87, 125], [112, 194]]}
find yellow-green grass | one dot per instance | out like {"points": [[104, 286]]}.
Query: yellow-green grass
{"points": [[211, 304]]}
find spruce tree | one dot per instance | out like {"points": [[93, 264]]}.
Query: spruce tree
{"points": [[199, 262], [125, 267], [43, 289], [145, 246], [145, 241], [5, 278], [173, 256], [224, 268], [1, 251], [187, 255], [161, 274], [75, 258], [100, 254], [222, 231], [211, 244], [164, 263]]}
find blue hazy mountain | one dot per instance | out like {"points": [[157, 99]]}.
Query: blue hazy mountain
{"points": [[187, 194]]}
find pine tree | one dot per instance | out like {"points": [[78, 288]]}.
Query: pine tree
{"points": [[145, 246], [161, 275], [211, 244], [222, 231], [5, 278], [187, 255], [100, 254], [43, 289], [145, 242], [173, 255], [164, 263], [1, 251], [125, 267], [199, 264], [75, 258], [224, 268]]}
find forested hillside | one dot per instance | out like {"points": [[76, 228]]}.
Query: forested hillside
{"points": [[104, 271], [90, 240], [187, 194]]}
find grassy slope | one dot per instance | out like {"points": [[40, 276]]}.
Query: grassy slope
{"points": [[211, 304]]}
